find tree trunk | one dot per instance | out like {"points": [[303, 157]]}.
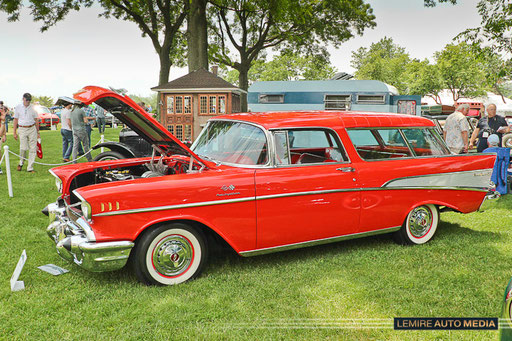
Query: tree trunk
{"points": [[243, 83], [165, 67], [197, 38]]}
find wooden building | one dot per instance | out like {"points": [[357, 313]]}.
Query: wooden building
{"points": [[186, 103]]}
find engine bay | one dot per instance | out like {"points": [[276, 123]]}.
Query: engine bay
{"points": [[156, 167]]}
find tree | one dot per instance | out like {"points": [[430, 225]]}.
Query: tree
{"points": [[424, 79], [250, 27], [160, 20], [288, 67], [497, 71], [461, 71], [384, 61], [45, 101], [495, 31], [197, 37]]}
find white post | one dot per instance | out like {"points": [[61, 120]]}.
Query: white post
{"points": [[8, 170], [102, 139]]}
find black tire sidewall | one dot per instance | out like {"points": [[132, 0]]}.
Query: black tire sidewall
{"points": [[110, 153]]}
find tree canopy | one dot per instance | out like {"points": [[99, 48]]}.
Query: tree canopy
{"points": [[160, 20], [242, 30], [384, 61], [287, 66]]}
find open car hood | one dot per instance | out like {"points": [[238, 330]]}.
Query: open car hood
{"points": [[131, 114]]}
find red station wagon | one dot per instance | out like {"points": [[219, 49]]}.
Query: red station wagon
{"points": [[262, 182]]}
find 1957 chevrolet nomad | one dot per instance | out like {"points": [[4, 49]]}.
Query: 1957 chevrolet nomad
{"points": [[262, 182]]}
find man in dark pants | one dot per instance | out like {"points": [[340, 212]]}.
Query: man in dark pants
{"points": [[491, 124]]}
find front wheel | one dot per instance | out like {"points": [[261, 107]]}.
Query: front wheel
{"points": [[419, 226], [170, 254]]}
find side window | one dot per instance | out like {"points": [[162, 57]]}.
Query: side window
{"points": [[308, 146], [374, 144], [425, 142]]}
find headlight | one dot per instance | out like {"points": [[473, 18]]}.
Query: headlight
{"points": [[86, 210], [85, 206]]}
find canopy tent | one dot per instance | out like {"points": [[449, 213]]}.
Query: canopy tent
{"points": [[503, 109]]}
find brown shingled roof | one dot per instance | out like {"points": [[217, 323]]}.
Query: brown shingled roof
{"points": [[199, 79]]}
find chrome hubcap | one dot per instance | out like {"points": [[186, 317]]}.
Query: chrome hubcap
{"points": [[420, 221], [172, 255]]}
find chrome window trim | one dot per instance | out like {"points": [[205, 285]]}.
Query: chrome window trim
{"points": [[409, 157], [317, 242], [336, 136], [270, 147]]}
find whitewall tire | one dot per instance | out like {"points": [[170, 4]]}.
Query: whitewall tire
{"points": [[170, 254], [419, 226]]}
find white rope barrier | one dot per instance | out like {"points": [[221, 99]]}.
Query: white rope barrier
{"points": [[58, 164], [5, 156]]}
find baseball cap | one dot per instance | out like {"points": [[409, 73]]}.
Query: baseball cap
{"points": [[493, 139]]}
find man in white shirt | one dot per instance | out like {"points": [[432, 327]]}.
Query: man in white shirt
{"points": [[456, 130], [26, 121]]}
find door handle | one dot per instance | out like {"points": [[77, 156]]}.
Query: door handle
{"points": [[346, 169]]}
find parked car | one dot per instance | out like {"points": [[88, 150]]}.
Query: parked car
{"points": [[46, 117], [261, 182], [130, 145]]}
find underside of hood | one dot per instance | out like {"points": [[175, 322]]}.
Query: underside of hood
{"points": [[131, 114]]}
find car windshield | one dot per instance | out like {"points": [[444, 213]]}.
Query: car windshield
{"points": [[42, 110], [232, 142]]}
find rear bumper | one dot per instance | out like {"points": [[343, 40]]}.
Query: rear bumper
{"points": [[489, 201], [75, 242]]}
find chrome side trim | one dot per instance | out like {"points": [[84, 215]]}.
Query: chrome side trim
{"points": [[317, 242], [174, 207], [282, 195], [478, 178]]}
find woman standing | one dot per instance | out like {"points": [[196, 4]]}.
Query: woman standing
{"points": [[66, 132]]}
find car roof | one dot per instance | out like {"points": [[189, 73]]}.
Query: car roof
{"points": [[331, 119]]}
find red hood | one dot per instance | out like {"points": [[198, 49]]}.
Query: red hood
{"points": [[131, 114]]}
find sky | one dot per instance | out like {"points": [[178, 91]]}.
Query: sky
{"points": [[87, 50]]}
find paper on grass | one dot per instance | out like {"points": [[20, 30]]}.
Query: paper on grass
{"points": [[53, 269]]}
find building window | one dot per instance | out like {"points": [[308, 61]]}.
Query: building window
{"points": [[203, 104], [179, 132], [170, 104], [213, 104], [188, 104], [271, 98], [371, 99], [337, 102], [171, 128], [222, 104], [179, 105]]}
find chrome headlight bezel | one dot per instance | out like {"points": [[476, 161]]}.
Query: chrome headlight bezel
{"points": [[58, 182], [84, 206]]}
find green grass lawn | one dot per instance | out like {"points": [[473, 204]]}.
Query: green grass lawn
{"points": [[348, 290]]}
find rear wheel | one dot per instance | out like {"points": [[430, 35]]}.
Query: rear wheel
{"points": [[110, 155], [170, 254], [419, 226]]}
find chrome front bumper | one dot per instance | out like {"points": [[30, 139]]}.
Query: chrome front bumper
{"points": [[76, 242], [489, 201]]}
